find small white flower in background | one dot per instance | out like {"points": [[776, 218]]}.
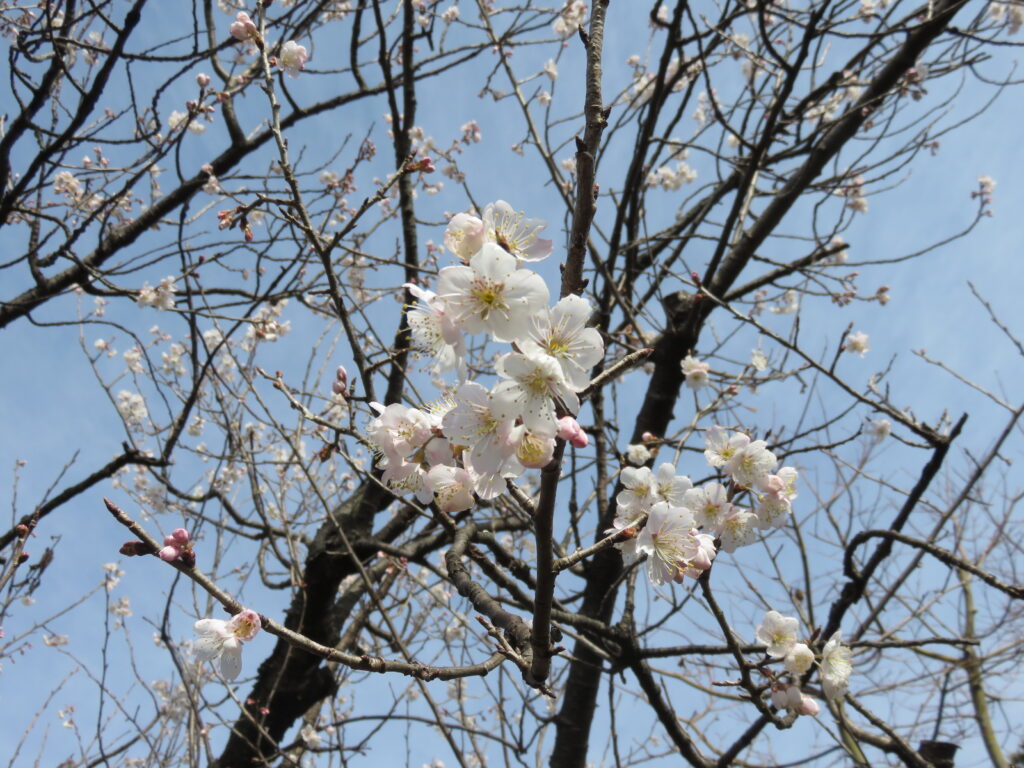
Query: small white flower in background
{"points": [[551, 69], [572, 16], [450, 14], [55, 641], [857, 343], [879, 430], [160, 297], [788, 304], [695, 371], [293, 58], [835, 667], [65, 183], [310, 735], [758, 361], [986, 185], [132, 407], [133, 359], [778, 632], [223, 640], [799, 659], [638, 454]]}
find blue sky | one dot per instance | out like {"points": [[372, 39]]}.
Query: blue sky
{"points": [[51, 405]]}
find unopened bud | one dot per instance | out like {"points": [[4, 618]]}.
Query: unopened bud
{"points": [[135, 549], [22, 530]]}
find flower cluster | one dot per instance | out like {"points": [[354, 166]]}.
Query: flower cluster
{"points": [[466, 446], [178, 546], [779, 634], [670, 539], [686, 525]]}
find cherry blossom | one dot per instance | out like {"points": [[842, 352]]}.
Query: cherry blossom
{"points": [[474, 424], [562, 333], [638, 454], [857, 343], [669, 486], [666, 541], [293, 58], [799, 659], [750, 462], [835, 667], [464, 235], [778, 632], [640, 487], [695, 371], [790, 697], [515, 233], [223, 639], [710, 506], [492, 294], [879, 430], [434, 332], [451, 486], [738, 529], [398, 430], [532, 381]]}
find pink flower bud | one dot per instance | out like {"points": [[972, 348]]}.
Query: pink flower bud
{"points": [[808, 706], [342, 374], [169, 553], [180, 535], [202, 79], [242, 28], [338, 388]]}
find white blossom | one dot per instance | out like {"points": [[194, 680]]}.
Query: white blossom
{"points": [[835, 667]]}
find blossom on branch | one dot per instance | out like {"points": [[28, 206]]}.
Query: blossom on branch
{"points": [[778, 632], [223, 640], [293, 58]]}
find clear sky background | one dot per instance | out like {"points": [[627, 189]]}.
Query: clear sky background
{"points": [[51, 407]]}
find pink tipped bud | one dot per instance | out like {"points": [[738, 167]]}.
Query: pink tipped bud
{"points": [[808, 706], [568, 428], [202, 79], [341, 374], [180, 535], [21, 530], [338, 388], [648, 437], [169, 553]]}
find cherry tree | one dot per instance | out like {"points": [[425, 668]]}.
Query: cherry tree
{"points": [[500, 383]]}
